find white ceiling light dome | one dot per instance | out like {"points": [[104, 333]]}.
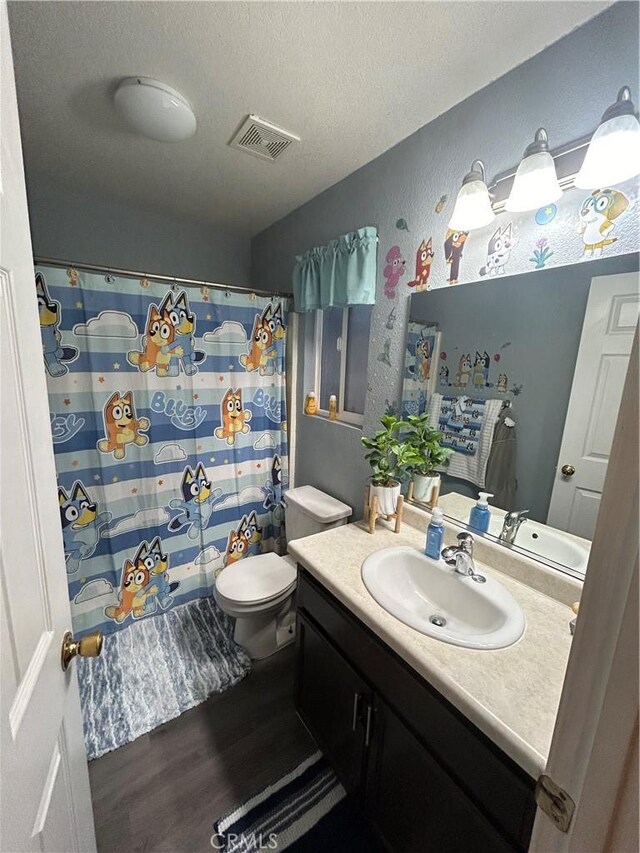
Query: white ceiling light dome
{"points": [[155, 110]]}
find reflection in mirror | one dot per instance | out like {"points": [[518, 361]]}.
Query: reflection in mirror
{"points": [[523, 375]]}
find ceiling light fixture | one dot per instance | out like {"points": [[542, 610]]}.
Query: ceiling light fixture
{"points": [[473, 205], [613, 155], [154, 110], [536, 183]]}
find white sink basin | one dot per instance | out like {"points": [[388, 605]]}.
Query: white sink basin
{"points": [[416, 589], [548, 543]]}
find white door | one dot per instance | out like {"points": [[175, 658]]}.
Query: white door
{"points": [[45, 798], [603, 357]]}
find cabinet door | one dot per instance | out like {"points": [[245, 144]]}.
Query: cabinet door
{"points": [[412, 803], [332, 701]]}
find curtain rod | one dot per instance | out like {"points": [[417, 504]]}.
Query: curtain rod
{"points": [[186, 282]]}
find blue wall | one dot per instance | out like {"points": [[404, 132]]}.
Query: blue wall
{"points": [[565, 88], [86, 228]]}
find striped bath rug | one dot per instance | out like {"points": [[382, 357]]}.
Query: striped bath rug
{"points": [[305, 811], [154, 671]]}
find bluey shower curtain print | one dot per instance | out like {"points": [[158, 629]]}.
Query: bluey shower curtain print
{"points": [[169, 428]]}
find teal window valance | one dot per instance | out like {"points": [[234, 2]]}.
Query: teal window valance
{"points": [[341, 273]]}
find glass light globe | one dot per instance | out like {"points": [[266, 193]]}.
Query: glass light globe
{"points": [[535, 184], [473, 205], [613, 155]]}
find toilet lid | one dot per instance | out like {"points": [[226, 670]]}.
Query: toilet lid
{"points": [[317, 505], [256, 579]]}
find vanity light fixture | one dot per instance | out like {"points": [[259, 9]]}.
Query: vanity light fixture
{"points": [[536, 183], [473, 205], [613, 155]]}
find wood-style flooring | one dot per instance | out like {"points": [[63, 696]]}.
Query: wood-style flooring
{"points": [[164, 791]]}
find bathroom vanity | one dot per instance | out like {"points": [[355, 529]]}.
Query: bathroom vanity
{"points": [[440, 745]]}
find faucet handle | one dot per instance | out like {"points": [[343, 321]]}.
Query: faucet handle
{"points": [[450, 554], [466, 542]]}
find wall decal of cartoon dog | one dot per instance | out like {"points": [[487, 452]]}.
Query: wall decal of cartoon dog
{"points": [[453, 245], [424, 259], [599, 214]]}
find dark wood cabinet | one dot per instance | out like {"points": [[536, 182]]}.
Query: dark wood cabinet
{"points": [[424, 775], [331, 698]]}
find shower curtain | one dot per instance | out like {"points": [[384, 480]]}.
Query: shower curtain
{"points": [[170, 435]]}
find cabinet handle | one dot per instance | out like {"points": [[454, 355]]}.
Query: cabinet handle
{"points": [[367, 731], [356, 705]]}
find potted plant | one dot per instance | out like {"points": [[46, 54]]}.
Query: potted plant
{"points": [[390, 458], [426, 442]]}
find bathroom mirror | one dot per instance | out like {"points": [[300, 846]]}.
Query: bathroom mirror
{"points": [[523, 375]]}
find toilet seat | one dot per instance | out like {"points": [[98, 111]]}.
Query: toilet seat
{"points": [[256, 580]]}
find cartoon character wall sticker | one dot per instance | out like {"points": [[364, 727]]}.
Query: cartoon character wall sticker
{"points": [[424, 259], [143, 579], [233, 418], [267, 342], [463, 375], [502, 384], [56, 356], [453, 245], [444, 376], [599, 214], [421, 369], [168, 342], [498, 251], [393, 272], [244, 540], [195, 508], [82, 525], [121, 425], [481, 367]]}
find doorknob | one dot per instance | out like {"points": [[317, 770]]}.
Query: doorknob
{"points": [[568, 470], [89, 646]]}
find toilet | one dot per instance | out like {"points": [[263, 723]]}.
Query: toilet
{"points": [[259, 592]]}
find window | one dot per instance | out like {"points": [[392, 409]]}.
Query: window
{"points": [[342, 348]]}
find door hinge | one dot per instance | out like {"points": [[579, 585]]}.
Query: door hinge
{"points": [[555, 802]]}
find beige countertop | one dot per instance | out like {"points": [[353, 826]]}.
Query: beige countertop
{"points": [[510, 694]]}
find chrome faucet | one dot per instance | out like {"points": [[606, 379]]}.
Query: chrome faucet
{"points": [[461, 557], [512, 522]]}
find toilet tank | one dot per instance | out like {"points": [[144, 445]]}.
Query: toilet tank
{"points": [[309, 511]]}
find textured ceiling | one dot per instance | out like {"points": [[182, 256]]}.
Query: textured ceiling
{"points": [[351, 79]]}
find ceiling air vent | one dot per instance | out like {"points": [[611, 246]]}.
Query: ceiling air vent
{"points": [[265, 140]]}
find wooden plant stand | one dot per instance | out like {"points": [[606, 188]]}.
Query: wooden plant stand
{"points": [[430, 505], [372, 513]]}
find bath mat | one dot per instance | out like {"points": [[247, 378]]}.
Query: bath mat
{"points": [[154, 671], [305, 811]]}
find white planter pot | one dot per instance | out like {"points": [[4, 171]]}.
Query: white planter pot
{"points": [[423, 487], [387, 497]]}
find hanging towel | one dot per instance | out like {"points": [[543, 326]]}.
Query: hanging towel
{"points": [[501, 478], [460, 422], [469, 466]]}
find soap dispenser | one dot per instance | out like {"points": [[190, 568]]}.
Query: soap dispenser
{"points": [[435, 534], [481, 514]]}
